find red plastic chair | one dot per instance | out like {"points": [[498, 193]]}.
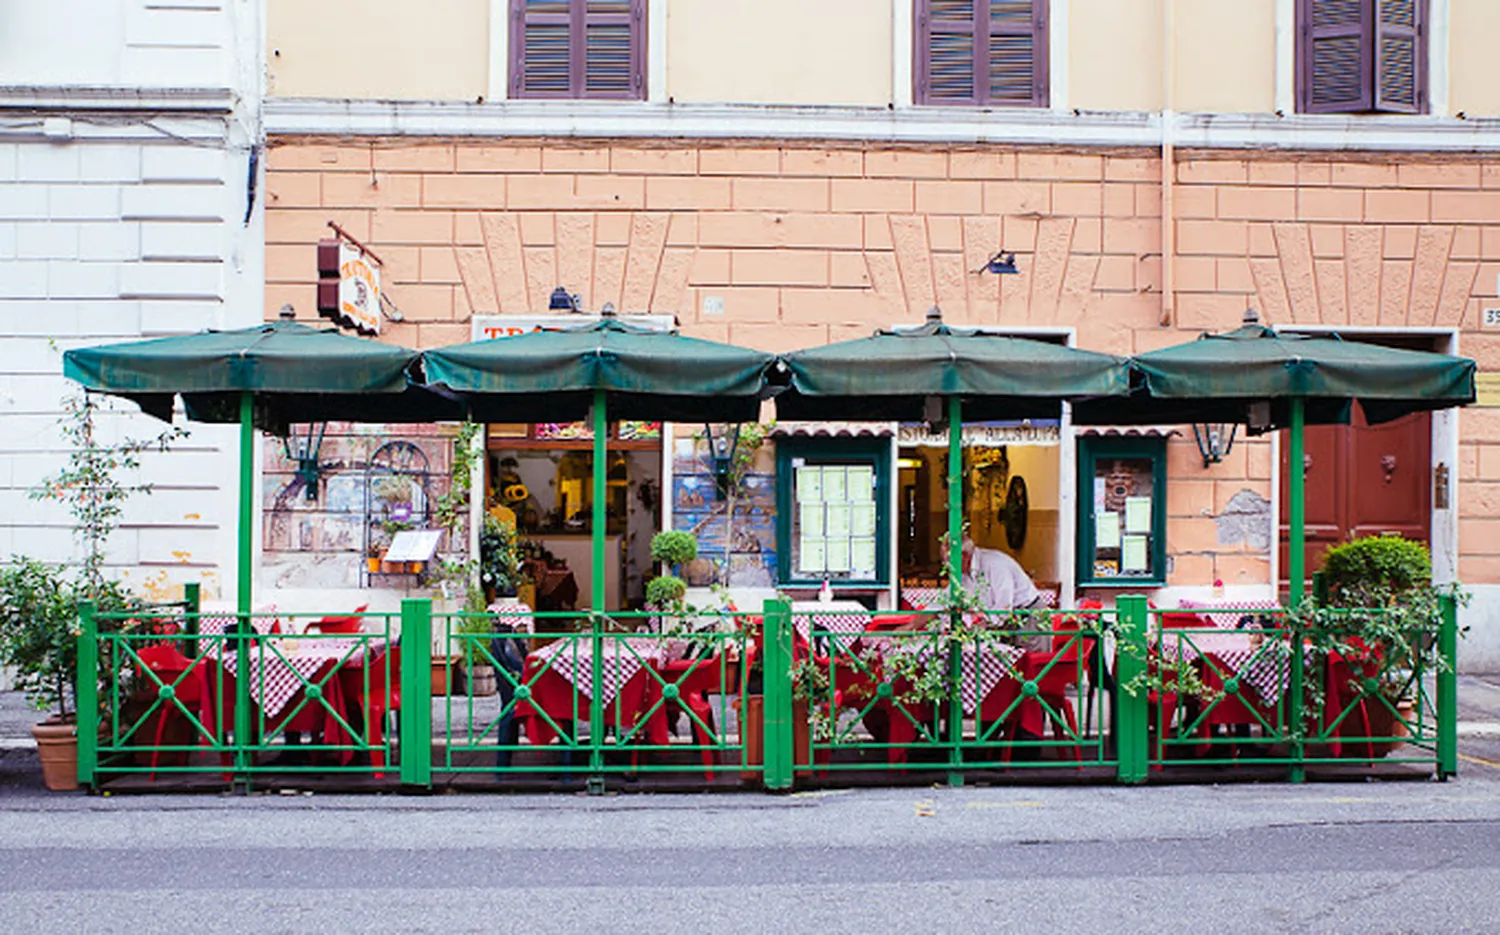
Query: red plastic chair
{"points": [[191, 689], [1342, 677], [385, 696], [353, 623]]}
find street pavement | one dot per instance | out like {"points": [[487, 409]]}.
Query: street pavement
{"points": [[1408, 856]]}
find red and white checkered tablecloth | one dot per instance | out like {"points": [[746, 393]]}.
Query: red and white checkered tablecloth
{"points": [[829, 616], [1227, 614], [514, 612], [573, 659], [935, 598], [281, 666], [1265, 668], [980, 669]]}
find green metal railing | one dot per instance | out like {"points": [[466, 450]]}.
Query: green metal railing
{"points": [[590, 699], [952, 695], [1352, 690], [600, 694], [170, 691]]}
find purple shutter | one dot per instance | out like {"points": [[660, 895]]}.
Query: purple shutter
{"points": [[578, 48], [1400, 59], [1336, 64], [981, 52], [1016, 60]]}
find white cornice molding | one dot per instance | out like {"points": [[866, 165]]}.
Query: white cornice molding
{"points": [[105, 99], [596, 120], [690, 121]]}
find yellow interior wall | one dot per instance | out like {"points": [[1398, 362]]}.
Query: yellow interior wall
{"points": [[378, 49], [1474, 66], [780, 51]]}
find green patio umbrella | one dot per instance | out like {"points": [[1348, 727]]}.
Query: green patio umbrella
{"points": [[892, 375], [1265, 379], [265, 376], [614, 369]]}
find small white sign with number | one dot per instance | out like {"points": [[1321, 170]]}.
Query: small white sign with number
{"points": [[1491, 318]]}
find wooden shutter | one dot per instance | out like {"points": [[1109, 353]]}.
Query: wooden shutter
{"points": [[578, 48], [982, 52], [1400, 62], [947, 52], [1337, 64], [1016, 65]]}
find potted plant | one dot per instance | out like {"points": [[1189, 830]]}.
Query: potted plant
{"points": [[479, 671], [1379, 620], [500, 567], [673, 549], [37, 611], [372, 558]]}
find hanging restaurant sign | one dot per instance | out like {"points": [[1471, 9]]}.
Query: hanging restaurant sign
{"points": [[1034, 432], [349, 284]]}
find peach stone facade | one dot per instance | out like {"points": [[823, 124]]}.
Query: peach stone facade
{"points": [[806, 245]]}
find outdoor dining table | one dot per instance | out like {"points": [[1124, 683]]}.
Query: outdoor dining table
{"points": [[559, 678], [282, 666], [1256, 659]]}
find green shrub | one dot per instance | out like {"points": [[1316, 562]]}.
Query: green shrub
{"points": [[674, 547], [37, 611], [1373, 570]]}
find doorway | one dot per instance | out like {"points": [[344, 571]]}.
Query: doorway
{"points": [[1364, 480]]}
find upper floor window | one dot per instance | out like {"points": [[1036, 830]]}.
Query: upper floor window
{"points": [[1362, 55], [982, 52], [578, 48]]}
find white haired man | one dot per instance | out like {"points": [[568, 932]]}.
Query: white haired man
{"points": [[1000, 584]]}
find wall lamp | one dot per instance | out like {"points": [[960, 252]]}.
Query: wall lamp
{"points": [[1001, 264], [721, 451], [1214, 439]]}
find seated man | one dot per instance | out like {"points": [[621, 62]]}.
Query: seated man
{"points": [[1000, 583]]}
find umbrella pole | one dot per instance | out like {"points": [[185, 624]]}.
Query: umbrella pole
{"points": [[596, 602], [955, 587], [247, 499], [955, 496], [1297, 505]]}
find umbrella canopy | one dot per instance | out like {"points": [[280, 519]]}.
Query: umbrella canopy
{"points": [[1265, 379], [1218, 377], [295, 373], [268, 376], [891, 375], [553, 375]]}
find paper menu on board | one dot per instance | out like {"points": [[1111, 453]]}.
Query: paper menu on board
{"points": [[809, 484], [837, 524], [834, 487], [862, 520], [861, 483], [1106, 530], [862, 557], [836, 554], [811, 556], [1133, 554], [1138, 514], [811, 516]]}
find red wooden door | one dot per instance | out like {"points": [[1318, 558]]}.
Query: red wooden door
{"points": [[1362, 480]]}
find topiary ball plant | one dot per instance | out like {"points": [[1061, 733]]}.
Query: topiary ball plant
{"points": [[1373, 570], [674, 548]]}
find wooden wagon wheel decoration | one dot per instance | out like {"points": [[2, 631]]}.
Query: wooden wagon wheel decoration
{"points": [[1017, 505]]}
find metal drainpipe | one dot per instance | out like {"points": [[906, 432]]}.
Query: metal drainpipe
{"points": [[1168, 168]]}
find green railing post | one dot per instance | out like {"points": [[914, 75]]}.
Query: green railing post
{"points": [[1319, 588], [1133, 740], [1297, 706], [1447, 689], [416, 695], [86, 694], [777, 753], [596, 704], [192, 605], [955, 587], [239, 633]]}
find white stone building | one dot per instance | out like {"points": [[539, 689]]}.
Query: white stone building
{"points": [[129, 207]]}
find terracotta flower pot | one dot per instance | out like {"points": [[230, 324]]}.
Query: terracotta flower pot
{"points": [[57, 746]]}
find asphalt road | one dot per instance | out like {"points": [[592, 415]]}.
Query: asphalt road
{"points": [[1366, 857]]}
